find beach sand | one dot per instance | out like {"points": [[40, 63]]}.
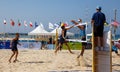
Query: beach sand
{"points": [[46, 61]]}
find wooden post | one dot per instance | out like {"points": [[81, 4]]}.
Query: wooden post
{"points": [[102, 59], [93, 50], [56, 38]]}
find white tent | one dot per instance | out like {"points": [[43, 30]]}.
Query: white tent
{"points": [[59, 32], [39, 31]]}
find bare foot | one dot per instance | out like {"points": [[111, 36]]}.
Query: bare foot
{"points": [[9, 61], [55, 52], [14, 61], [118, 54], [71, 52], [78, 56]]}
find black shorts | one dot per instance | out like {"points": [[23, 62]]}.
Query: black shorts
{"points": [[84, 43], [98, 31], [14, 49], [61, 40]]}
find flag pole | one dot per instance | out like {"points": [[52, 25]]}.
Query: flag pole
{"points": [[4, 31], [18, 29], [4, 34], [115, 20], [19, 24]]}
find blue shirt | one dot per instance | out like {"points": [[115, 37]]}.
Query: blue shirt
{"points": [[82, 32], [99, 18]]}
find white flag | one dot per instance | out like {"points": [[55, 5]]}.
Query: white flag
{"points": [[56, 25], [41, 25], [4, 21], [51, 26], [25, 23]]}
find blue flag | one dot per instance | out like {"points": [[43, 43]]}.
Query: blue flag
{"points": [[36, 24]]}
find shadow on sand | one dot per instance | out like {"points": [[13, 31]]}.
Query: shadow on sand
{"points": [[32, 62]]}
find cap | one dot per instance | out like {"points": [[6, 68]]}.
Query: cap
{"points": [[62, 24], [98, 7]]}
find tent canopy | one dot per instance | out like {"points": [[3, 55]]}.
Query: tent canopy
{"points": [[39, 31]]}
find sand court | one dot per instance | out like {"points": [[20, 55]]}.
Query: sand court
{"points": [[46, 61]]}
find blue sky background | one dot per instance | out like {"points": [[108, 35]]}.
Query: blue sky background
{"points": [[53, 11]]}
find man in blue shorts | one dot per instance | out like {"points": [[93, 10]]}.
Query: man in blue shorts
{"points": [[98, 20]]}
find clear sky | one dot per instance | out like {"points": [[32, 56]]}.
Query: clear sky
{"points": [[53, 11]]}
